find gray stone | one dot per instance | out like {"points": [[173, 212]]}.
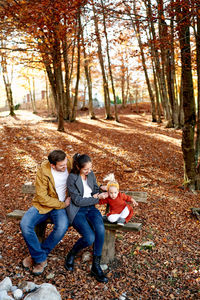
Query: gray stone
{"points": [[123, 297], [44, 292], [104, 267], [5, 296], [6, 284], [1, 231], [147, 245], [18, 294], [50, 276], [86, 256], [28, 286]]}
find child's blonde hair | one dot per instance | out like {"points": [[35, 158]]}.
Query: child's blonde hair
{"points": [[111, 181]]}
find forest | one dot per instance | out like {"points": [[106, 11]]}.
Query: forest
{"points": [[142, 59], [97, 41]]}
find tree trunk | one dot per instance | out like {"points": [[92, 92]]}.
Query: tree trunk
{"points": [[101, 61], [67, 114], [122, 67], [109, 62], [158, 108], [57, 67], [136, 27], [74, 110], [181, 112], [197, 35], [159, 73], [163, 35], [7, 84], [188, 95], [88, 77], [172, 75], [47, 94]]}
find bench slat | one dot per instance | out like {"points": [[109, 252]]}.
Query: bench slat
{"points": [[126, 227], [18, 214], [137, 195], [28, 189]]}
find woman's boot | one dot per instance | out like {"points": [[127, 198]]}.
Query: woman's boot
{"points": [[69, 260], [96, 270]]}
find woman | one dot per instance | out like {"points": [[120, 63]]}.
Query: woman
{"points": [[83, 215]]}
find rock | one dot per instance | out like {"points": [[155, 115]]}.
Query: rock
{"points": [[86, 256], [128, 170], [104, 267], [123, 297], [18, 294], [1, 231], [5, 296], [147, 245], [6, 284], [50, 276], [28, 138], [45, 291], [28, 286]]}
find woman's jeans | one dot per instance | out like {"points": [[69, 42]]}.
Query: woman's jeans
{"points": [[39, 251], [89, 223]]}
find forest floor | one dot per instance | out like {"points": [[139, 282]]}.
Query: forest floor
{"points": [[144, 156]]}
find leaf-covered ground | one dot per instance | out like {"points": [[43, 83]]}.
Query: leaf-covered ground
{"points": [[144, 156]]}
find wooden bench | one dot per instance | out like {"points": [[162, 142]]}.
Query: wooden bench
{"points": [[108, 252]]}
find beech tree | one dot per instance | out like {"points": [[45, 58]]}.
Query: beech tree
{"points": [[184, 20], [48, 22]]}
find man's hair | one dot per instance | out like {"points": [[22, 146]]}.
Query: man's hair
{"points": [[56, 156]]}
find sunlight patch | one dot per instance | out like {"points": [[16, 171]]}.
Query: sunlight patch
{"points": [[26, 161], [168, 139]]}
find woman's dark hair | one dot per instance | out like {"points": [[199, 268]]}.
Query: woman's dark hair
{"points": [[56, 156], [79, 161]]}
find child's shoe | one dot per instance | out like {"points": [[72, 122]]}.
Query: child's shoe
{"points": [[121, 221]]}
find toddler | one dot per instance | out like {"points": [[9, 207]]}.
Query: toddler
{"points": [[119, 210]]}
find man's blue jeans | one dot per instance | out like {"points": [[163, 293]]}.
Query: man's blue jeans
{"points": [[32, 217], [89, 223]]}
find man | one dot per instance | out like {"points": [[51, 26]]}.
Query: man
{"points": [[50, 201]]}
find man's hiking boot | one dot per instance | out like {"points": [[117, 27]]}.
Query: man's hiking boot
{"points": [[39, 268], [28, 262]]}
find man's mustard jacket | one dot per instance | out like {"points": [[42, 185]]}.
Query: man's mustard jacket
{"points": [[46, 197]]}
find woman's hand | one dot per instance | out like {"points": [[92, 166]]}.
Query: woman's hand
{"points": [[67, 201], [100, 196], [103, 195], [103, 187]]}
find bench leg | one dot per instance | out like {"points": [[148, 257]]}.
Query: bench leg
{"points": [[40, 231], [108, 253]]}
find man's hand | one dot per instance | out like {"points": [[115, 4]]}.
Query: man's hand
{"points": [[67, 201], [134, 202]]}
